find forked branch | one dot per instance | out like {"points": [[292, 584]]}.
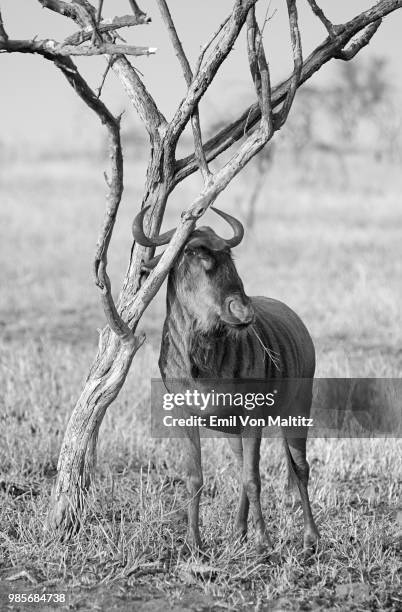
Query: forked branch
{"points": [[115, 190], [328, 25], [204, 76], [327, 50], [188, 76], [361, 40], [83, 13]]}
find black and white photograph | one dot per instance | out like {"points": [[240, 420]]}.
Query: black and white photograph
{"points": [[201, 305]]}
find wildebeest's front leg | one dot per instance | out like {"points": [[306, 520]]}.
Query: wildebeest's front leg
{"points": [[252, 485], [236, 445], [193, 467]]}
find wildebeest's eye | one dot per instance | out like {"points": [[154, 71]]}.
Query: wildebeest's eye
{"points": [[206, 259], [203, 255]]}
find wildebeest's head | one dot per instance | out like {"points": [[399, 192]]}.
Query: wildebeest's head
{"points": [[204, 278]]}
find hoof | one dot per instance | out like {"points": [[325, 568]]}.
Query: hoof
{"points": [[310, 541], [263, 544]]}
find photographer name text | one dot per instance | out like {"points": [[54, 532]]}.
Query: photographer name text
{"points": [[236, 420]]}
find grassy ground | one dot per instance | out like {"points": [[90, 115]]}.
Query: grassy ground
{"points": [[332, 254]]}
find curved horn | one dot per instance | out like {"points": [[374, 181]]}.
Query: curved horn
{"points": [[141, 238], [236, 226]]}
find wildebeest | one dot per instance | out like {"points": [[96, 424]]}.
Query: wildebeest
{"points": [[214, 330]]}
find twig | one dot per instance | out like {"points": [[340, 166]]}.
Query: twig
{"points": [[22, 574], [108, 67], [205, 48], [273, 355], [328, 25], [188, 75]]}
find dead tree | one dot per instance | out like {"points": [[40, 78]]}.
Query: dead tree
{"points": [[118, 341]]}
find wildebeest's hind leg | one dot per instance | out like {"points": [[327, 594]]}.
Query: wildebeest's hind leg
{"points": [[242, 511], [252, 485], [193, 467], [299, 470]]}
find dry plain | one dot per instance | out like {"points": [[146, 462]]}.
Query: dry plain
{"points": [[328, 247]]}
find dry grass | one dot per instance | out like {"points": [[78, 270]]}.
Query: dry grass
{"points": [[335, 257]]}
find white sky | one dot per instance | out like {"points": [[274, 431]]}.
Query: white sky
{"points": [[37, 104]]}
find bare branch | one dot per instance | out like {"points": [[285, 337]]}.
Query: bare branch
{"points": [[115, 322], [360, 41], [105, 26], [259, 69], [84, 14], [328, 25], [60, 49], [252, 50], [205, 48], [323, 53], [95, 30], [188, 75], [297, 62], [206, 74], [266, 94], [115, 185], [108, 67]]}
